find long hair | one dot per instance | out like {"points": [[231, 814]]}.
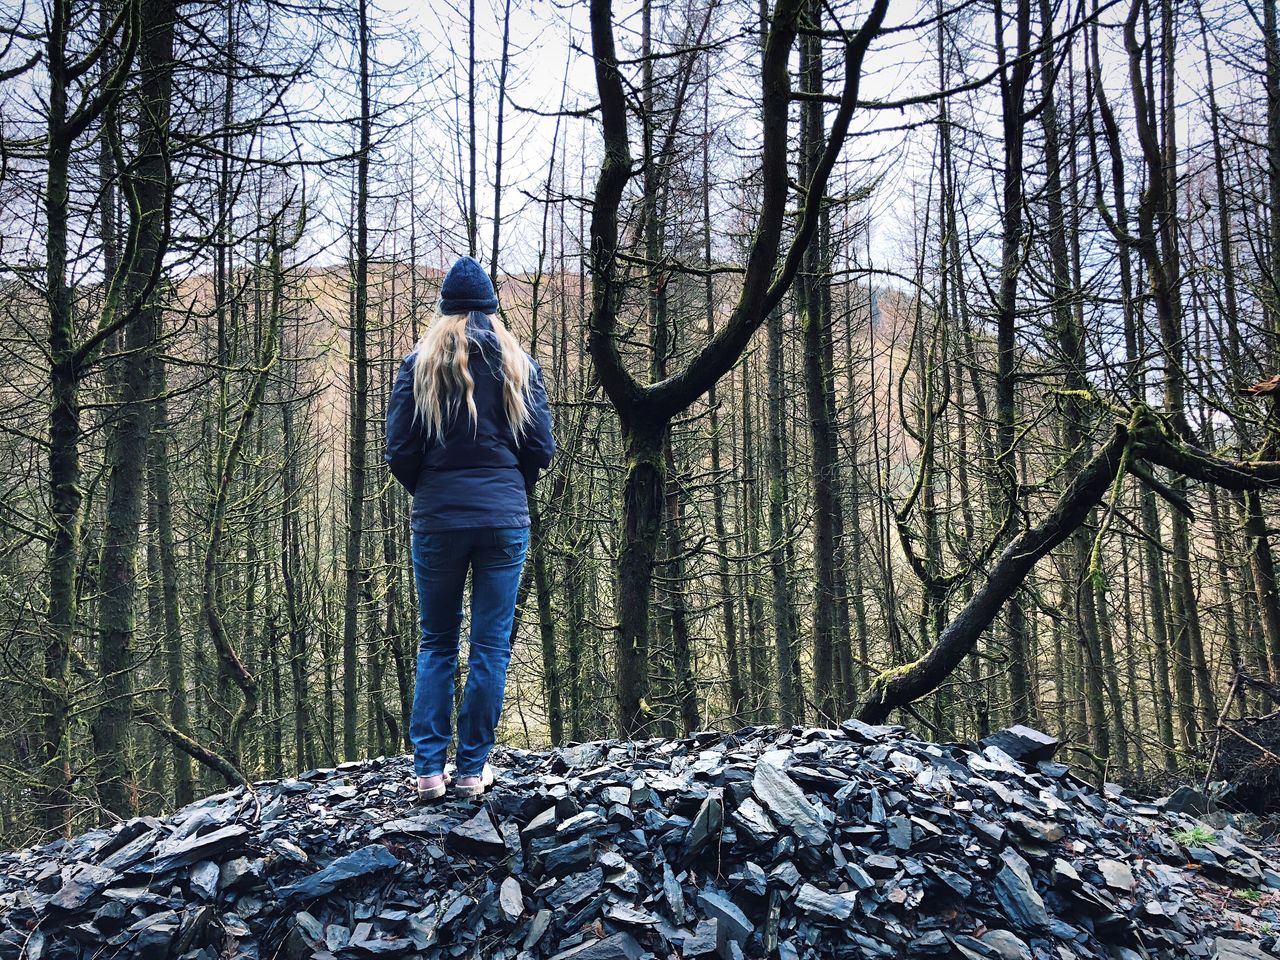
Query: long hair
{"points": [[442, 375]]}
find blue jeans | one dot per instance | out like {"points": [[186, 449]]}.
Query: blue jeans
{"points": [[495, 557]]}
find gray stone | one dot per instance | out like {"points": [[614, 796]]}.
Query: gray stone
{"points": [[1023, 743], [1224, 949], [620, 946], [211, 846], [478, 836], [786, 801], [1117, 875], [537, 929], [576, 888], [858, 877], [1065, 875], [543, 825], [151, 936], [238, 872], [959, 884], [706, 827], [372, 859], [750, 817], [1006, 945], [589, 821], [673, 895], [825, 906], [630, 916], [1016, 893], [868, 733], [82, 884], [899, 833], [704, 941], [732, 920], [1039, 830], [511, 899], [569, 858], [203, 879], [751, 877], [1187, 800]]}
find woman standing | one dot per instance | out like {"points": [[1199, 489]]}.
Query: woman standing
{"points": [[468, 432]]}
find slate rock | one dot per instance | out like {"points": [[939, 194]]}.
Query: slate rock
{"points": [[827, 907], [151, 937], [1225, 949], [732, 920], [751, 818], [576, 888], [1117, 875], [569, 858], [511, 899], [673, 895], [364, 862], [620, 946], [785, 800], [751, 877], [868, 733], [1017, 894], [203, 879], [900, 833], [1187, 800], [705, 940], [187, 850], [630, 916], [784, 875], [859, 877], [1038, 830], [240, 872], [705, 829], [1024, 744], [538, 928], [478, 836], [1006, 945], [83, 884]]}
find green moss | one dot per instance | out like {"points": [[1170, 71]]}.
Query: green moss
{"points": [[888, 675]]}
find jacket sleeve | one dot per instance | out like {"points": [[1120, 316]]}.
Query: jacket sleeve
{"points": [[405, 446], [537, 446]]}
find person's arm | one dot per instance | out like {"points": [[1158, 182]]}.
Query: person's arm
{"points": [[405, 447], [537, 446]]}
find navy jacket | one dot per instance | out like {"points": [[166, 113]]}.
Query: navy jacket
{"points": [[477, 477]]}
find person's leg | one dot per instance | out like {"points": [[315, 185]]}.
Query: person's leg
{"points": [[495, 580], [440, 571]]}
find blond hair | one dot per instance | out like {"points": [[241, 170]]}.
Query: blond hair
{"points": [[442, 375]]}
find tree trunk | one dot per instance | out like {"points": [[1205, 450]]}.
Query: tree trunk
{"points": [[815, 323], [54, 803], [642, 497], [359, 409], [790, 708], [1013, 84], [546, 623], [162, 500]]}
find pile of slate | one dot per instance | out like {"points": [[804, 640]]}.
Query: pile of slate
{"points": [[861, 842]]}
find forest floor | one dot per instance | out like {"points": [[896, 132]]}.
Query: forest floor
{"points": [[858, 842]]}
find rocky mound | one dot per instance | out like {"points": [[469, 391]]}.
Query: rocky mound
{"points": [[861, 842]]}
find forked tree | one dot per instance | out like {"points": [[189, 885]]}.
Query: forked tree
{"points": [[645, 410]]}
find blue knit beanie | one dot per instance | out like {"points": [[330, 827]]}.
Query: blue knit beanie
{"points": [[466, 288]]}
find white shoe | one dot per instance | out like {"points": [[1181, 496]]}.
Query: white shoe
{"points": [[431, 788], [474, 786]]}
